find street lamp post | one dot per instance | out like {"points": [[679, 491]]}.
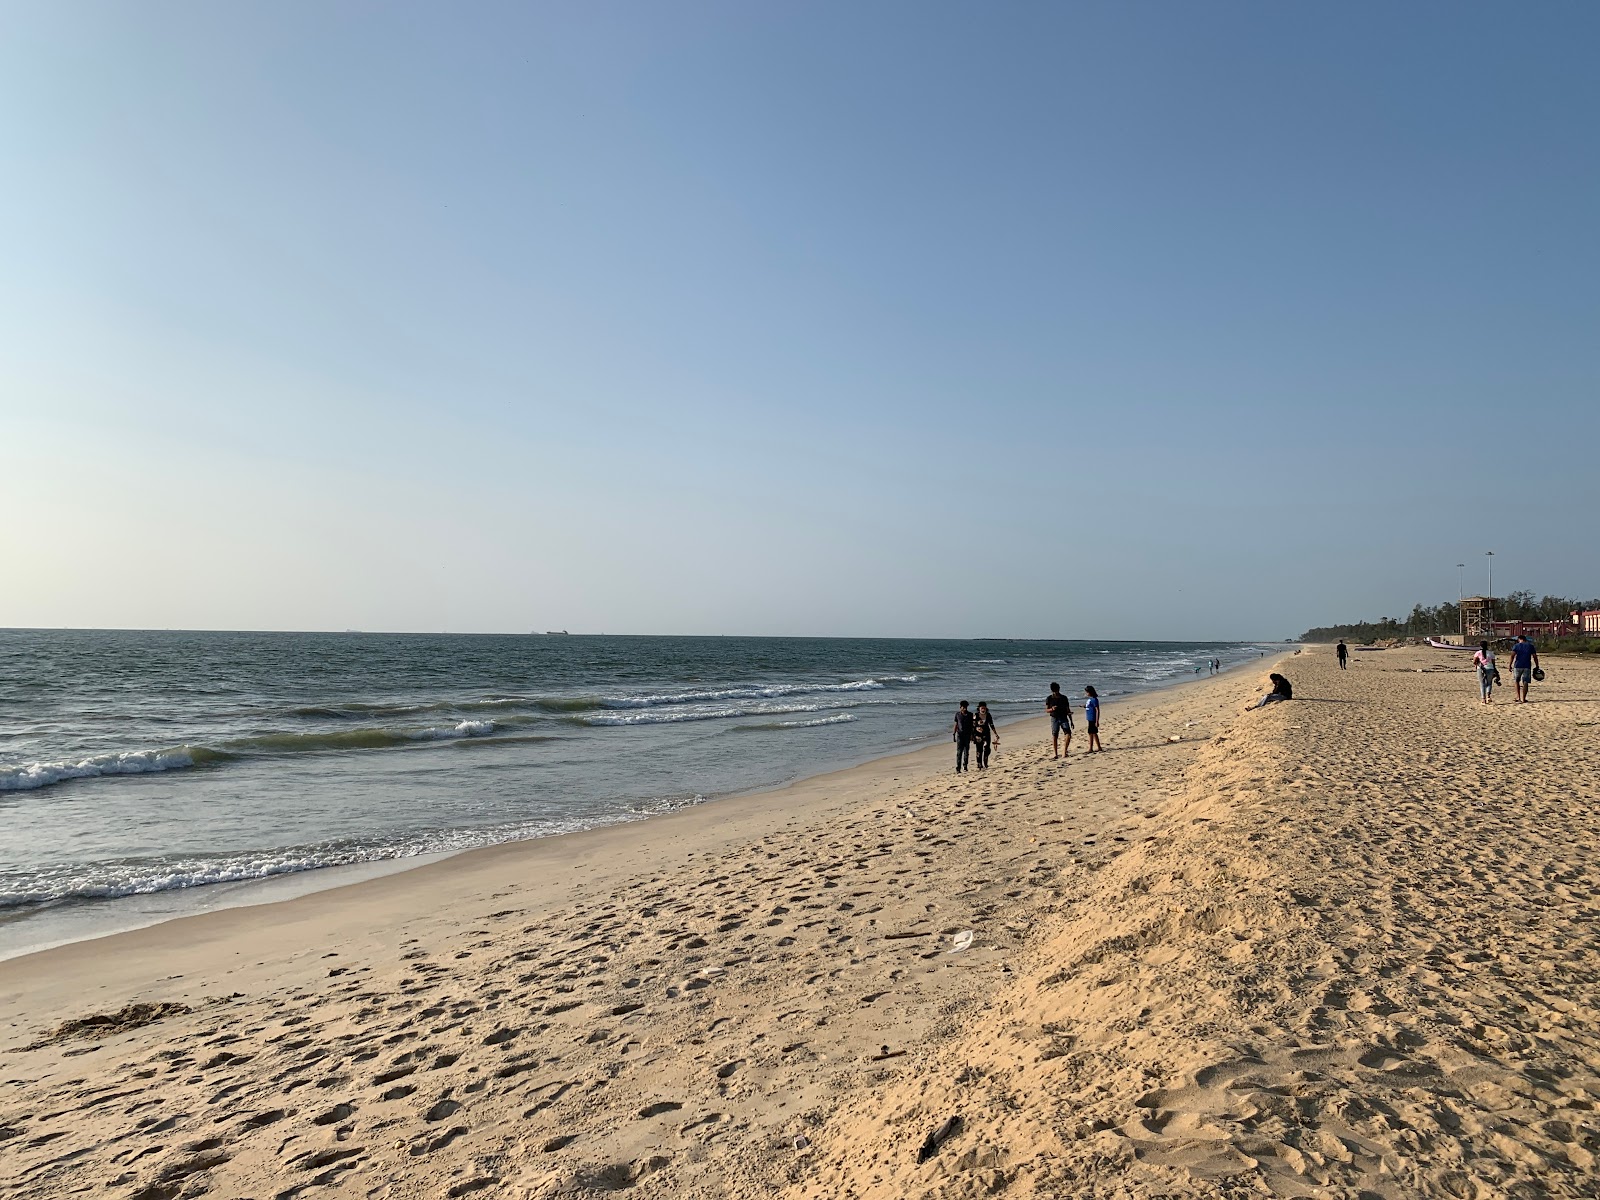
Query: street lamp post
{"points": [[1461, 619], [1489, 554]]}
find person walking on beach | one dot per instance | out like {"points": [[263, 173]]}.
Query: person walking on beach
{"points": [[961, 734], [1343, 652], [1281, 690], [984, 733], [1524, 661], [1060, 710], [1091, 717], [1488, 675]]}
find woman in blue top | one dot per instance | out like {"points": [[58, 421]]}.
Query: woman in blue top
{"points": [[1091, 714]]}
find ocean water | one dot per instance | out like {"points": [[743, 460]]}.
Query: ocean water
{"points": [[140, 765]]}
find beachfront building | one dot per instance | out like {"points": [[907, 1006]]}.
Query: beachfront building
{"points": [[1534, 629], [1588, 622]]}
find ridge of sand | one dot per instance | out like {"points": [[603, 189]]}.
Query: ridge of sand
{"points": [[1325, 949], [1359, 958]]}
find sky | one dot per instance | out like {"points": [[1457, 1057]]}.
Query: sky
{"points": [[1098, 320]]}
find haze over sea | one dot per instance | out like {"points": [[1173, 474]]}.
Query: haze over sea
{"points": [[138, 765]]}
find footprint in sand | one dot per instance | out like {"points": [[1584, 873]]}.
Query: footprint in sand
{"points": [[334, 1115], [441, 1110], [439, 1143]]}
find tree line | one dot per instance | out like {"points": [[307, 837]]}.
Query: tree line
{"points": [[1442, 619]]}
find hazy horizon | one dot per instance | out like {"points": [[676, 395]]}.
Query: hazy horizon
{"points": [[841, 637], [907, 321]]}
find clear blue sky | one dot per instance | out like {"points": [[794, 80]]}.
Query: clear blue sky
{"points": [[1080, 320]]}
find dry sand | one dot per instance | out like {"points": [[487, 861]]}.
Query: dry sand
{"points": [[1341, 947]]}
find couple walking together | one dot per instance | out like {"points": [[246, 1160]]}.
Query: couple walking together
{"points": [[972, 727], [1524, 668]]}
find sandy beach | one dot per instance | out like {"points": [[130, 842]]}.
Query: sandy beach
{"points": [[1340, 947]]}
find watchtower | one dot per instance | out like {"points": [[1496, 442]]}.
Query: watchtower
{"points": [[1477, 619]]}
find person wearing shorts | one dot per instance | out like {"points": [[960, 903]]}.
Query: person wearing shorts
{"points": [[1524, 658], [1060, 710], [1091, 716]]}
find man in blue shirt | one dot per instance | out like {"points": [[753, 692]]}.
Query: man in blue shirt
{"points": [[1524, 658]]}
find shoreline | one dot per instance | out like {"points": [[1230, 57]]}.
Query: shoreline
{"points": [[84, 921], [588, 848]]}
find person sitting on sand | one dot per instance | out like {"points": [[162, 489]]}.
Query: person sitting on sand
{"points": [[1488, 674], [1281, 690], [984, 733], [1060, 710], [1091, 715], [961, 734]]}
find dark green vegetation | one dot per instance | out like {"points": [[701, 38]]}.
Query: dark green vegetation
{"points": [[1444, 620], [1571, 645]]}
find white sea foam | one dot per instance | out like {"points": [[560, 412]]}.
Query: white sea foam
{"points": [[28, 776], [104, 881], [695, 714], [761, 692], [836, 719], [464, 729]]}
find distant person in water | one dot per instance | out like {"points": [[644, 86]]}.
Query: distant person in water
{"points": [[1343, 652], [961, 734], [1488, 674], [1280, 691], [1524, 661], [984, 733], [1091, 718], [1060, 711]]}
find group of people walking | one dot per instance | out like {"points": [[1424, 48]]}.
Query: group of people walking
{"points": [[978, 729], [1525, 669]]}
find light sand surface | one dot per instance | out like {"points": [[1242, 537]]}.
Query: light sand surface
{"points": [[1339, 947]]}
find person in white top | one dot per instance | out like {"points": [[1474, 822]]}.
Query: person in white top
{"points": [[1488, 676]]}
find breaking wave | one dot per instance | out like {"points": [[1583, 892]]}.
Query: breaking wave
{"points": [[835, 719]]}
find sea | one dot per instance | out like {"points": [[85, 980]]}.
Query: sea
{"points": [[147, 775]]}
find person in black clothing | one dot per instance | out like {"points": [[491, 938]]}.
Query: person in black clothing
{"points": [[961, 734], [984, 732], [1343, 652], [1060, 720], [1280, 691]]}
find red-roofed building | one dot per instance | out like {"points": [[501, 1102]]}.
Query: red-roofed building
{"points": [[1535, 629], [1588, 622]]}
